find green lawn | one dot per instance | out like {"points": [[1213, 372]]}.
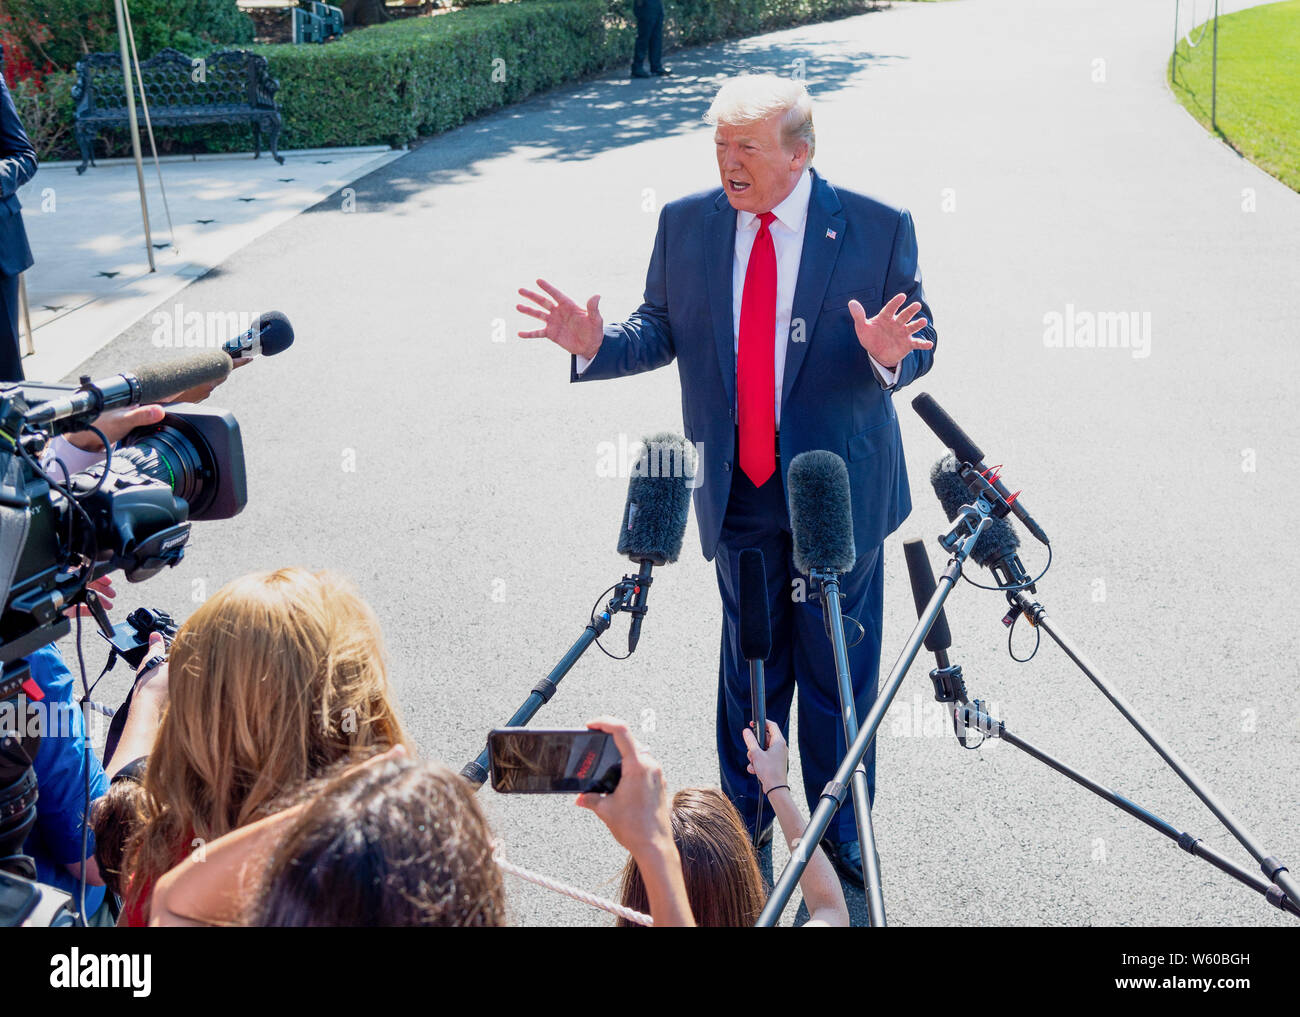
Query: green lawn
{"points": [[1259, 85]]}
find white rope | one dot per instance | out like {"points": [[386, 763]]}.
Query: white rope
{"points": [[499, 856]]}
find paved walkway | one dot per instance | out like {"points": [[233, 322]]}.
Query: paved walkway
{"points": [[409, 441], [92, 279]]}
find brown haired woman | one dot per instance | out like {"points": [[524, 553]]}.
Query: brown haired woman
{"points": [[398, 842], [277, 677], [723, 882]]}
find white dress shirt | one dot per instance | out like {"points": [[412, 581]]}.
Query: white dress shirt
{"points": [[787, 238]]}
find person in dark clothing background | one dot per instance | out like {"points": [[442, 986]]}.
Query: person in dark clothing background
{"points": [[17, 166], [649, 38]]}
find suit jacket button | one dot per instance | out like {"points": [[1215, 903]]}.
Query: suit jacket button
{"points": [[726, 467]]}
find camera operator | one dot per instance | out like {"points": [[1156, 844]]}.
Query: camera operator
{"points": [[69, 775]]}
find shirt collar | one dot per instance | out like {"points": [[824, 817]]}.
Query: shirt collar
{"points": [[792, 212]]}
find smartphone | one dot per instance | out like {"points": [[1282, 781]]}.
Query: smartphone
{"points": [[525, 761]]}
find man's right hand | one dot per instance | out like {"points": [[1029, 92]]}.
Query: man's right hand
{"points": [[576, 329]]}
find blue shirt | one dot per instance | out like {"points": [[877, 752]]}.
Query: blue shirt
{"points": [[60, 765]]}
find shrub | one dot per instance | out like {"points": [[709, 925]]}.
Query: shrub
{"points": [[57, 33], [45, 109], [395, 82]]}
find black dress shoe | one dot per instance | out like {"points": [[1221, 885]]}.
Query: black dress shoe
{"points": [[846, 856], [663, 72], [637, 73]]}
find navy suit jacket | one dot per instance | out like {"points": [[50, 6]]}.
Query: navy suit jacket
{"points": [[17, 166], [854, 248]]}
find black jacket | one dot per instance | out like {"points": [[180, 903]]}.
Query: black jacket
{"points": [[17, 166]]}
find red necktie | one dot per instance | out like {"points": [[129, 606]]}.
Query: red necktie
{"points": [[755, 359]]}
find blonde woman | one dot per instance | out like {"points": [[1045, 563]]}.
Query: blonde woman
{"points": [[277, 677]]}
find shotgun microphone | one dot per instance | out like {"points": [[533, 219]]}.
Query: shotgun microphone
{"points": [[154, 383], [947, 431], [654, 518], [821, 513]]}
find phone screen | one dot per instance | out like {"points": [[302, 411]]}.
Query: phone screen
{"points": [[525, 761]]}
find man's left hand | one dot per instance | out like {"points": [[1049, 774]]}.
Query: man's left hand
{"points": [[116, 425], [890, 335]]}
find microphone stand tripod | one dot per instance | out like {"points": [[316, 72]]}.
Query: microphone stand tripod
{"points": [[971, 715], [830, 590], [1036, 615], [628, 597], [1279, 889], [969, 525]]}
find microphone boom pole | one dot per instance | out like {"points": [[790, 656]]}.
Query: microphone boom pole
{"points": [[830, 589], [833, 794], [476, 771]]}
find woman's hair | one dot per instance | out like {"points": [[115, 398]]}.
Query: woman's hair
{"points": [[396, 843], [113, 818], [276, 677], [723, 883]]}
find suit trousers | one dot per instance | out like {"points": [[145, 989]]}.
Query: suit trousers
{"points": [[649, 34], [801, 656], [11, 359]]}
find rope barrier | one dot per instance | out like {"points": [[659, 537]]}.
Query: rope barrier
{"points": [[498, 856]]}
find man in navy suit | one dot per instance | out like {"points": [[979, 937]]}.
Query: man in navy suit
{"points": [[795, 311], [17, 166]]}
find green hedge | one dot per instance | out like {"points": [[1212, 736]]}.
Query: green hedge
{"points": [[396, 82], [393, 83]]}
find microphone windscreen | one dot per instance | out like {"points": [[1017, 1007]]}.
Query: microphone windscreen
{"points": [[658, 500], [274, 333], [163, 381], [755, 624], [998, 539], [923, 587], [946, 429], [821, 513]]}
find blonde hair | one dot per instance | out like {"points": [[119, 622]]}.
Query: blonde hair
{"points": [[749, 98], [279, 675]]}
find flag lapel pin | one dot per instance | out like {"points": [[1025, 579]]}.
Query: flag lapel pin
{"points": [[830, 234]]}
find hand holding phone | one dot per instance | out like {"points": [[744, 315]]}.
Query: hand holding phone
{"points": [[637, 812]]}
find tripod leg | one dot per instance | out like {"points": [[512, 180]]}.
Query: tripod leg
{"points": [[861, 795], [1272, 868]]}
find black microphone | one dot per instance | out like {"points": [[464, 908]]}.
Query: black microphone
{"points": [[996, 546], [154, 383], [654, 518], [270, 334], [755, 633], [967, 451], [821, 513], [939, 639]]}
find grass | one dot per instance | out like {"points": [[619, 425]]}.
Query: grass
{"points": [[1258, 111]]}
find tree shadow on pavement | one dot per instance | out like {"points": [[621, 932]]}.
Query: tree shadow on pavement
{"points": [[579, 122]]}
